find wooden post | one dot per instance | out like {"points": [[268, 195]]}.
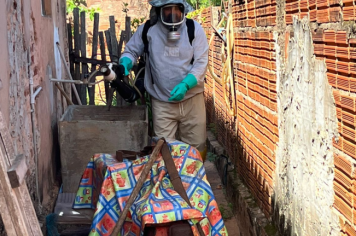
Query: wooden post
{"points": [[103, 58], [94, 53], [76, 50], [108, 43], [127, 28], [114, 46], [121, 42], [70, 45], [83, 50], [71, 62], [18, 214]]}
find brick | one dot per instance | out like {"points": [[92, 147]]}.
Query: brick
{"points": [[341, 37], [349, 229], [343, 164], [349, 148], [352, 68], [335, 14], [349, 13], [352, 84], [330, 50], [332, 80], [342, 52], [349, 132], [342, 67], [347, 102], [344, 209], [329, 36], [338, 144], [330, 64], [343, 193], [348, 117], [343, 82]]}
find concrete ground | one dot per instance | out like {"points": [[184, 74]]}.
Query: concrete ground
{"points": [[219, 192]]}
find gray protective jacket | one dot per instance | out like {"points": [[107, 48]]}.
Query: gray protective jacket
{"points": [[169, 62]]}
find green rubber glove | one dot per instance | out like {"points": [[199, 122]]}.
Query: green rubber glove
{"points": [[181, 89], [127, 63]]}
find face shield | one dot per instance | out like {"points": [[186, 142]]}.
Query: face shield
{"points": [[172, 15]]}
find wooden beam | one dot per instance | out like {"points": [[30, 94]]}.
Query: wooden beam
{"points": [[76, 50], [103, 58], [17, 171], [127, 28], [114, 46], [94, 52], [16, 206], [83, 53]]}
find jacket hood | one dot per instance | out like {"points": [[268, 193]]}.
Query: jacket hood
{"points": [[158, 3]]}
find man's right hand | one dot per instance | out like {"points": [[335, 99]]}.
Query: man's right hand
{"points": [[120, 74], [127, 64]]}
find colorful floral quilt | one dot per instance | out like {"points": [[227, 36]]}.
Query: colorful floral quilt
{"points": [[107, 184]]}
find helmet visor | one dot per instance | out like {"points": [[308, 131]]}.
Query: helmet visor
{"points": [[172, 15]]}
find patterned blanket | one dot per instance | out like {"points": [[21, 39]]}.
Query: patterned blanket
{"points": [[107, 184]]}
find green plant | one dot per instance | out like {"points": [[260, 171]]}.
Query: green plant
{"points": [[212, 156], [197, 4], [82, 5], [136, 22], [212, 128], [125, 7]]}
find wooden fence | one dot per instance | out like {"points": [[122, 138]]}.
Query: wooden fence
{"points": [[80, 62]]}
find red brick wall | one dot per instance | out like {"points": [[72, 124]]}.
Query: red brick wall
{"points": [[251, 143], [251, 135]]}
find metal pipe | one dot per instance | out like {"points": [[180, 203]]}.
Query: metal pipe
{"points": [[69, 75], [67, 81], [75, 81], [38, 90], [34, 140]]}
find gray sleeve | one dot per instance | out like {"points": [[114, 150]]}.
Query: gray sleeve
{"points": [[134, 48], [201, 50]]}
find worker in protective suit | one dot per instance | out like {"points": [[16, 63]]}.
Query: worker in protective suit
{"points": [[174, 72]]}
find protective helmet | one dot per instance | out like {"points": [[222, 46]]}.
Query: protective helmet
{"points": [[171, 13]]}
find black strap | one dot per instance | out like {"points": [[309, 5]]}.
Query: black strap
{"points": [[191, 30], [175, 178], [191, 33], [144, 35]]}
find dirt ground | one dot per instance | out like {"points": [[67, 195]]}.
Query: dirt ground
{"points": [[225, 207]]}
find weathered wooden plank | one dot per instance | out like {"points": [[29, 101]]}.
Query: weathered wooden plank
{"points": [[94, 53], [76, 50], [121, 42], [127, 28], [4, 210], [70, 47], [83, 52], [17, 171], [103, 58], [16, 215], [25, 201], [71, 62], [18, 201], [108, 43], [114, 45]]}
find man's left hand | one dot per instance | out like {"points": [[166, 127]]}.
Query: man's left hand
{"points": [[178, 92], [181, 89]]}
